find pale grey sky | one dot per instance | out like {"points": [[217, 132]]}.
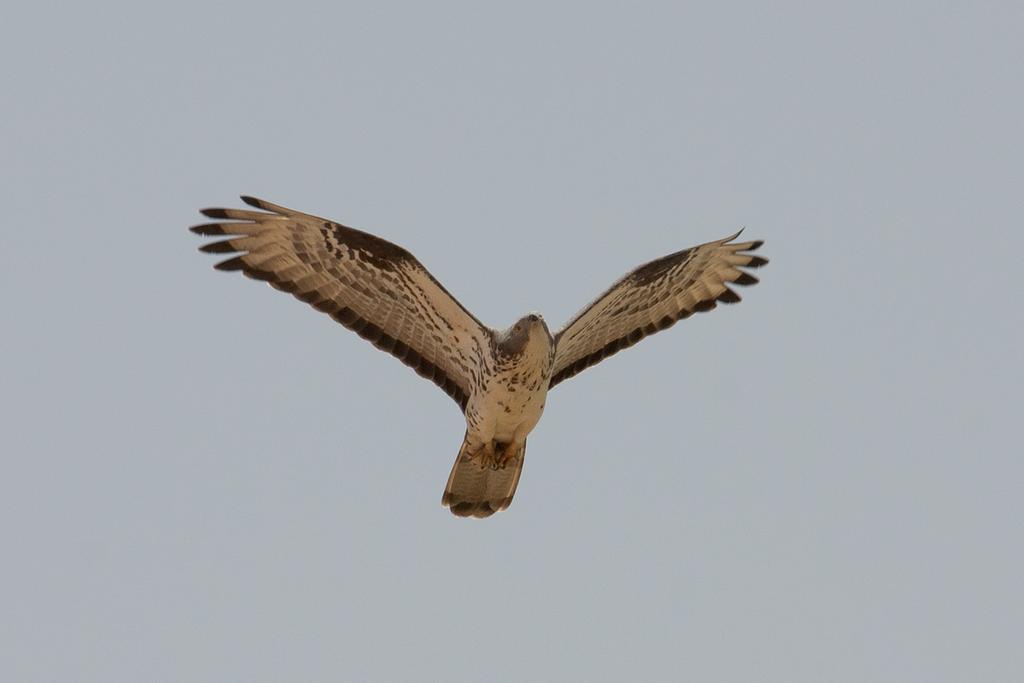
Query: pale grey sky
{"points": [[205, 480]]}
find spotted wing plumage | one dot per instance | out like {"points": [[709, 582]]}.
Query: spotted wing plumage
{"points": [[652, 298], [369, 285]]}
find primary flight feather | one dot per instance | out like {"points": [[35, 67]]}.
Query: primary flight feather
{"points": [[499, 378]]}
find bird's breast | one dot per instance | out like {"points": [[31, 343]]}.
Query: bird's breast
{"points": [[511, 399]]}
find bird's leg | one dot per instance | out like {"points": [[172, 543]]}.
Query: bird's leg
{"points": [[482, 455], [478, 451], [505, 455], [492, 454], [487, 457]]}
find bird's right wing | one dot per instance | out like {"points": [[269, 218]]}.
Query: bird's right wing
{"points": [[369, 285], [652, 298]]}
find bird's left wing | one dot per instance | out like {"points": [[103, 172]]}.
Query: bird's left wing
{"points": [[369, 285], [651, 298]]}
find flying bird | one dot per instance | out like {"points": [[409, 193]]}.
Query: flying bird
{"points": [[499, 377]]}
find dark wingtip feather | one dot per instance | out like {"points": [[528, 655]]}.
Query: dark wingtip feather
{"points": [[729, 297], [214, 213], [756, 245], [756, 262], [223, 247], [252, 201], [746, 279], [208, 229], [231, 264]]}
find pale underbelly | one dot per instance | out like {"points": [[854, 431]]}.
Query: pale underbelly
{"points": [[505, 416]]}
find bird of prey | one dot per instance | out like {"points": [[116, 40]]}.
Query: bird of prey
{"points": [[499, 377]]}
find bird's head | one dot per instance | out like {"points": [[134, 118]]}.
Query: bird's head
{"points": [[531, 326]]}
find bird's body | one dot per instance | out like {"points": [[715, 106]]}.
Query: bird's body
{"points": [[502, 411], [510, 401], [500, 378]]}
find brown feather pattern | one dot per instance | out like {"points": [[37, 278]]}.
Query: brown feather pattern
{"points": [[652, 298], [371, 286]]}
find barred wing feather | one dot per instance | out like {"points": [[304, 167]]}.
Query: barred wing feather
{"points": [[369, 285], [652, 298]]}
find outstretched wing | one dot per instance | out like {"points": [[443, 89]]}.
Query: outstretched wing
{"points": [[652, 298], [367, 284]]}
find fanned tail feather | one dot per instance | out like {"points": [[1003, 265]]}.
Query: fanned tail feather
{"points": [[478, 487]]}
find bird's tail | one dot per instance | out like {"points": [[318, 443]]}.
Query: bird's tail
{"points": [[483, 482]]}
